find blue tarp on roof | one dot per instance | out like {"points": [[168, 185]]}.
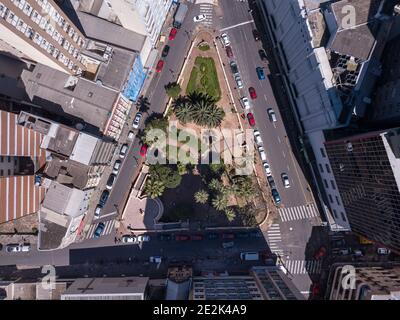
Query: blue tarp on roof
{"points": [[135, 81]]}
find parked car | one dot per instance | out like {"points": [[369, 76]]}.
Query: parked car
{"points": [[129, 239], [267, 169], [229, 51], [257, 137], [250, 118], [182, 237], [99, 230], [234, 67], [271, 114], [199, 18], [136, 121], [143, 238], [253, 93], [97, 211], [256, 35], [271, 182], [225, 39], [358, 253], [262, 153], [164, 237], [15, 247], [344, 252], [276, 196], [262, 54], [245, 103], [131, 135], [285, 180], [213, 236], [196, 237], [172, 34], [123, 151], [260, 73], [143, 150], [239, 81], [110, 181], [383, 251], [320, 253], [165, 51], [228, 236], [104, 197], [155, 259], [116, 166], [160, 66]]}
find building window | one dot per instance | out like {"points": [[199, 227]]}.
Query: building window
{"points": [[1, 158], [323, 152], [337, 200], [343, 216], [9, 172], [330, 198], [321, 168], [333, 185], [326, 184], [1, 172], [328, 168], [335, 214], [9, 159]]}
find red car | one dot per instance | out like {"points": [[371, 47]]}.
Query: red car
{"points": [[196, 237], [160, 65], [172, 33], [250, 117], [320, 253], [143, 150], [228, 236], [229, 51], [253, 93], [181, 237]]}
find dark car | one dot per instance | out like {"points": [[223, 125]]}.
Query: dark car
{"points": [[276, 196], [165, 51], [271, 182], [229, 51], [181, 237], [196, 237], [110, 181], [103, 198], [260, 73], [256, 35], [262, 54], [213, 236], [234, 67], [228, 236], [164, 237], [99, 230]]}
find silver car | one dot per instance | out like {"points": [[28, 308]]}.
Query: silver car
{"points": [[285, 180], [239, 81], [136, 121]]}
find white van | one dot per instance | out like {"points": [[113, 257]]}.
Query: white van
{"points": [[249, 256]]}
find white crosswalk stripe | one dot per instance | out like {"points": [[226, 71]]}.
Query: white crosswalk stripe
{"points": [[303, 266], [273, 238], [207, 10], [109, 227], [298, 213]]}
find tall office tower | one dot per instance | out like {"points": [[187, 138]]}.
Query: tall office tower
{"points": [[38, 30], [370, 283], [367, 173], [263, 283], [329, 63]]}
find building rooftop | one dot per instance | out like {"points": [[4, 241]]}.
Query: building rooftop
{"points": [[68, 96], [62, 140], [84, 148]]}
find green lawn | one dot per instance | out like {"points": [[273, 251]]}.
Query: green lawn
{"points": [[204, 78]]}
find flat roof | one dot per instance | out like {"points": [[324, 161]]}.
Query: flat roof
{"points": [[57, 197], [64, 140], [88, 101], [84, 148]]}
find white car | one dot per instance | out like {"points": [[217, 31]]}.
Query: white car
{"points": [[267, 169], [199, 18], [13, 248], [129, 239], [116, 167], [245, 103], [257, 137], [263, 155], [239, 81], [285, 180], [123, 151], [383, 251], [97, 211], [143, 238], [136, 121], [131, 135], [271, 114], [225, 39]]}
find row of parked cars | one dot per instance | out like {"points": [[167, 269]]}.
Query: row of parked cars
{"points": [[210, 236], [16, 247]]}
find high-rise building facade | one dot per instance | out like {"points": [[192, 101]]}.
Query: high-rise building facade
{"points": [[367, 173], [39, 30]]}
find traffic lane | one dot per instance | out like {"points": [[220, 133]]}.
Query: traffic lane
{"points": [[233, 13], [173, 250], [36, 258]]}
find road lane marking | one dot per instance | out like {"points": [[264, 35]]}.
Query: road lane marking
{"points": [[279, 139], [236, 25], [284, 155]]}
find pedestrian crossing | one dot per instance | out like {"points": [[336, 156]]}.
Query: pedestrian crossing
{"points": [[303, 266], [274, 238], [207, 10], [299, 212], [109, 227]]}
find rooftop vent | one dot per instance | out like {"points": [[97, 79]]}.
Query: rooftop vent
{"points": [[71, 83]]}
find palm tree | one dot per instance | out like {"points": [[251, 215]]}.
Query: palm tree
{"points": [[143, 104], [220, 202], [183, 111], [243, 186], [182, 168], [201, 196], [230, 214], [154, 188], [215, 116], [215, 184]]}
